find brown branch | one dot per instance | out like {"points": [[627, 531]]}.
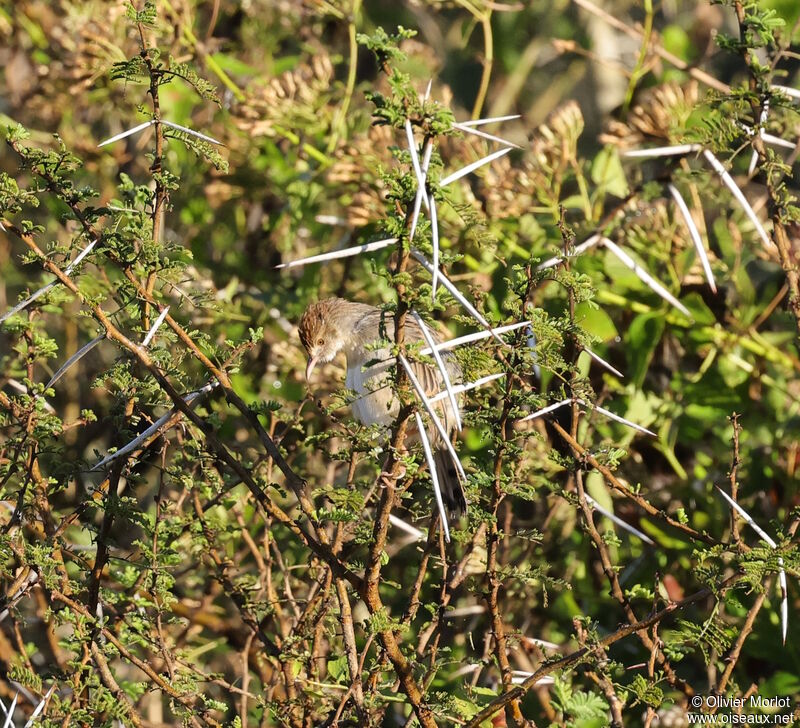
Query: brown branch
{"points": [[161, 194], [391, 472], [777, 212], [574, 658], [513, 711], [617, 592], [735, 535], [351, 650], [600, 678], [124, 651], [101, 555], [736, 650], [620, 487], [113, 333], [108, 680], [146, 295], [694, 72]]}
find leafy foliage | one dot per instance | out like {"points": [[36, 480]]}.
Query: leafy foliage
{"points": [[195, 535]]}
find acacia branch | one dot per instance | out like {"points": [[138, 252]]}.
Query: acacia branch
{"points": [[620, 487], [578, 656], [141, 354]]}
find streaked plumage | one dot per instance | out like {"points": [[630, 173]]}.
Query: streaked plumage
{"points": [[335, 325]]}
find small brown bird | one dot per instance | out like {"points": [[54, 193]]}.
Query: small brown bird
{"points": [[362, 332]]}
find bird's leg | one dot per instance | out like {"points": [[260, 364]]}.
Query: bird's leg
{"points": [[401, 466], [393, 468]]}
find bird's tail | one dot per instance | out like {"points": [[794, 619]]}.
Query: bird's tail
{"points": [[452, 490]]}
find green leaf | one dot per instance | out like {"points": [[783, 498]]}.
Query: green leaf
{"points": [[608, 174], [642, 338], [595, 320], [337, 668]]}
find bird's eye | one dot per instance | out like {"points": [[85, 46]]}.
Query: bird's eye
{"points": [[320, 342]]}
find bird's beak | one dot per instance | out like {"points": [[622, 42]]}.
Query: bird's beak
{"points": [[312, 362]]}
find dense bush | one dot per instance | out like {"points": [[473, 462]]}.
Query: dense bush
{"points": [[193, 534]]}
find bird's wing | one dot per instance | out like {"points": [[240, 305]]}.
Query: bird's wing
{"points": [[429, 376]]}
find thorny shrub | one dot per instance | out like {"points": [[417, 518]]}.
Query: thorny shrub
{"points": [[193, 534]]}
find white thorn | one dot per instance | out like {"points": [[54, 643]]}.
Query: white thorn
{"points": [[28, 301], [426, 446], [412, 149], [472, 167], [10, 713], [784, 601], [415, 214], [154, 327], [459, 388], [442, 368], [520, 676], [729, 182], [434, 417], [787, 90], [541, 643], [753, 162], [427, 91], [435, 240], [644, 276], [545, 410], [532, 343], [467, 611], [576, 251], [776, 141], [492, 120], [454, 292], [345, 253], [127, 133], [762, 120], [192, 132], [617, 418], [155, 427], [421, 174], [478, 336], [88, 249], [602, 362], [408, 528], [22, 389], [330, 220], [485, 135], [694, 233], [622, 524], [662, 151], [85, 349], [39, 707], [426, 163], [44, 289], [748, 518]]}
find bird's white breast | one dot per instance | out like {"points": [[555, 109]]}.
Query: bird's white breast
{"points": [[375, 403]]}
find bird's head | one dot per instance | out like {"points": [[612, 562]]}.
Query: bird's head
{"points": [[320, 333]]}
